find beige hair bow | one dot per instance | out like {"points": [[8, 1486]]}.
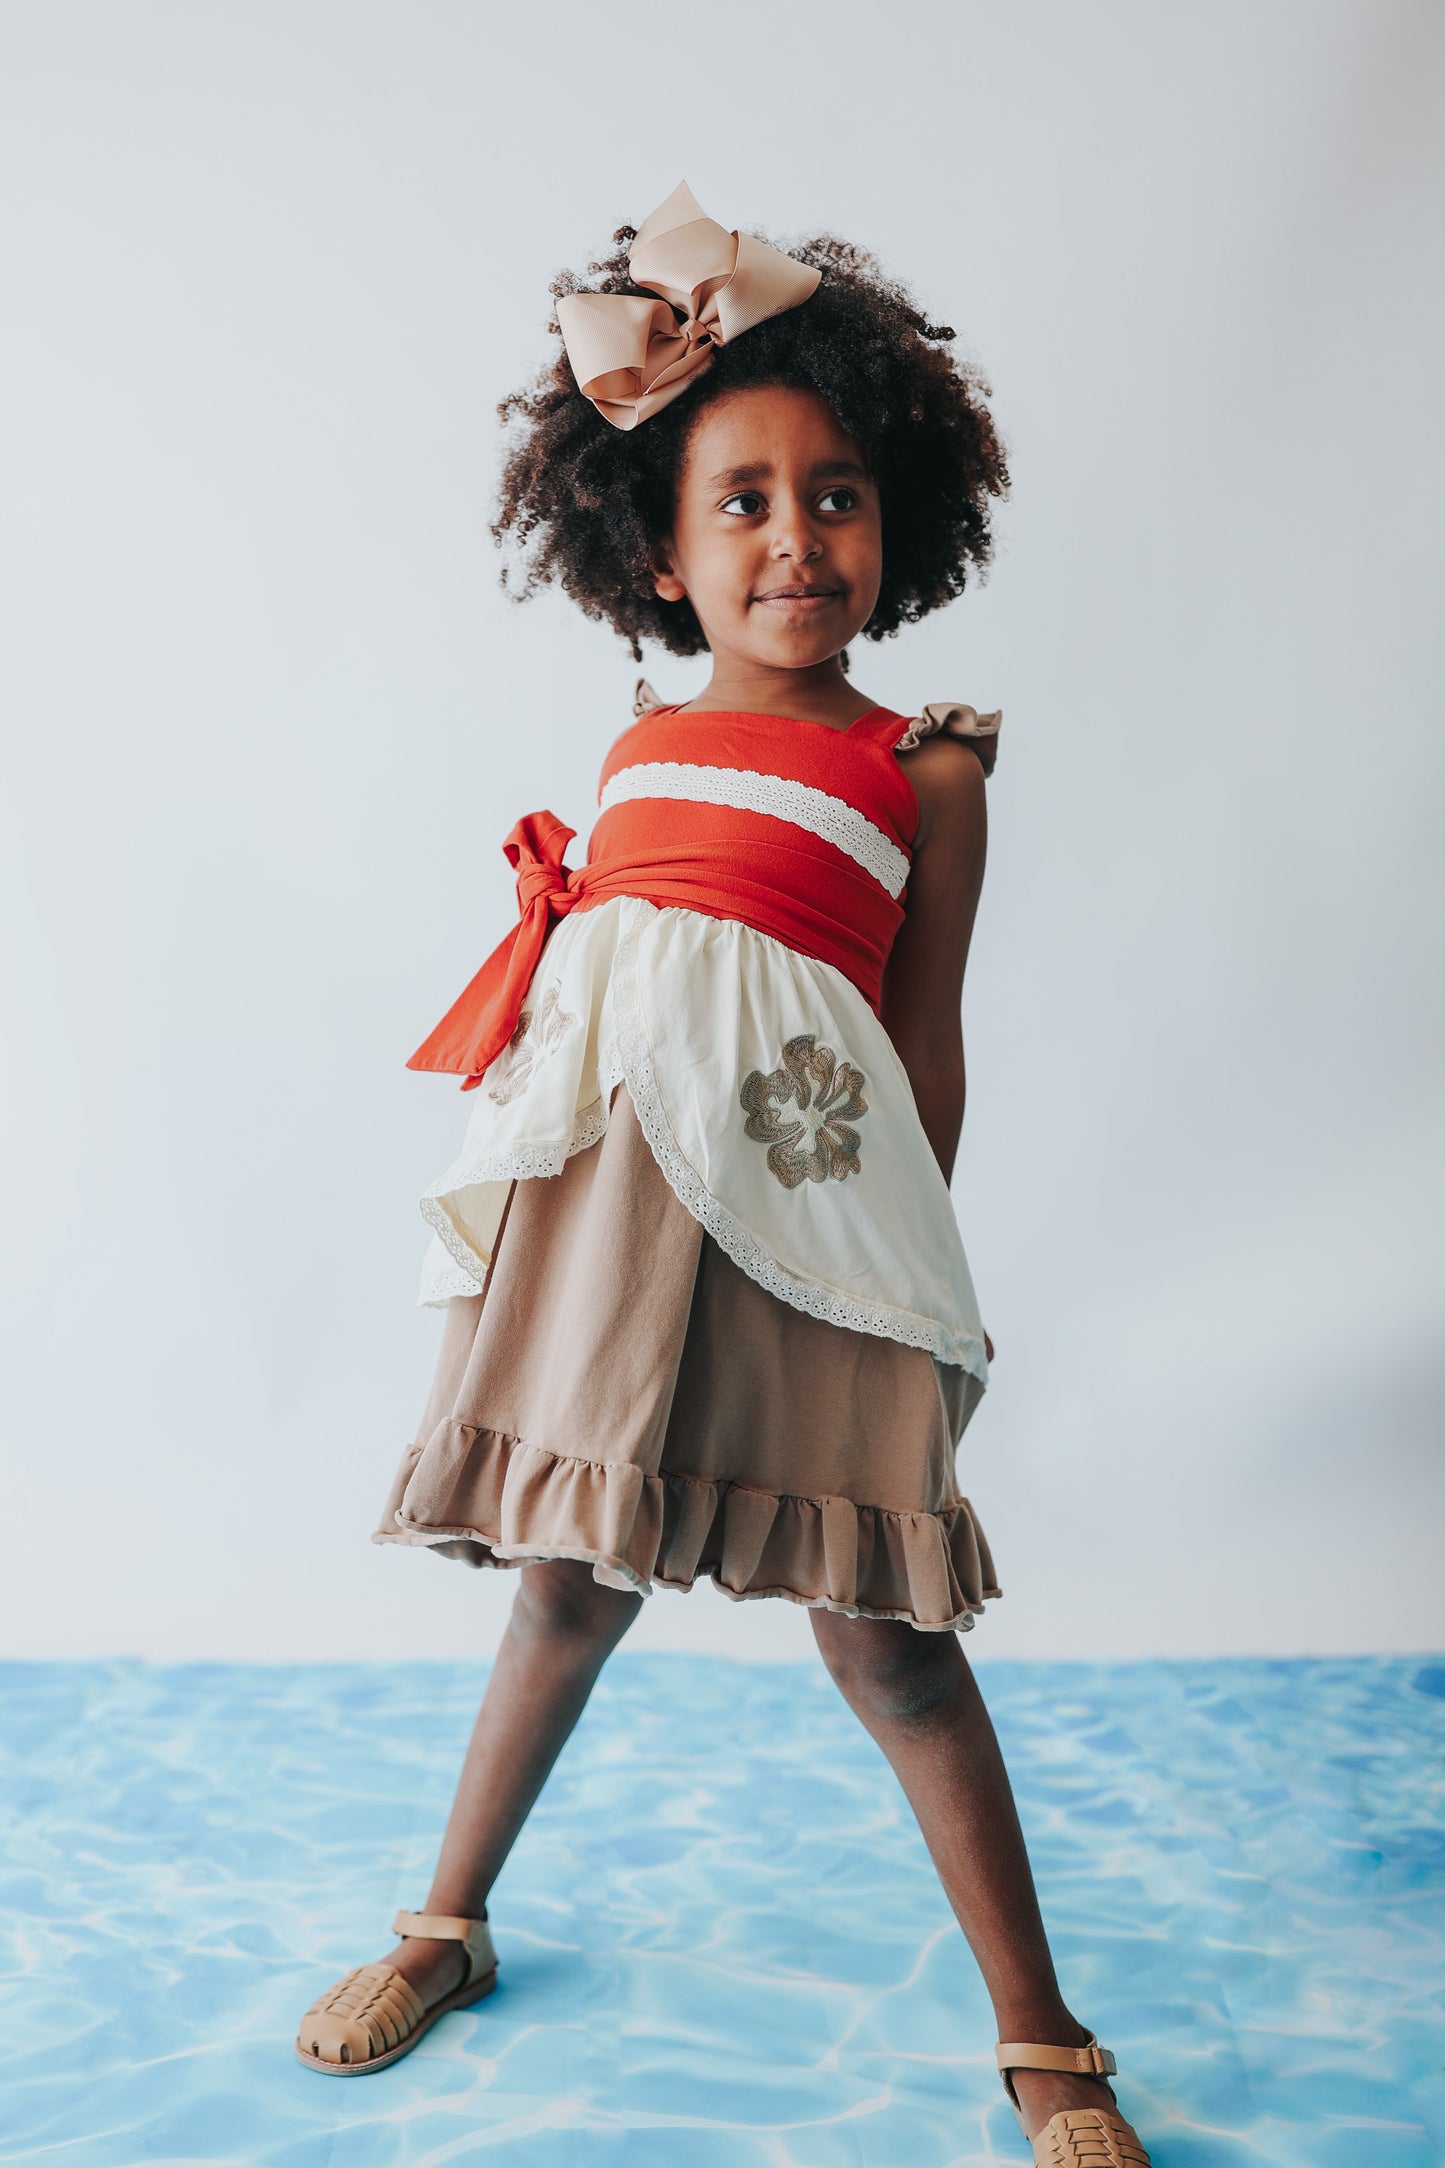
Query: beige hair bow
{"points": [[632, 356]]}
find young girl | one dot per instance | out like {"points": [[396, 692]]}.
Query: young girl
{"points": [[707, 1309]]}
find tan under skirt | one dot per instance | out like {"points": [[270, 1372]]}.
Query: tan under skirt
{"points": [[622, 1392]]}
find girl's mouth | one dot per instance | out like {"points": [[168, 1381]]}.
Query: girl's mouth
{"points": [[798, 597]]}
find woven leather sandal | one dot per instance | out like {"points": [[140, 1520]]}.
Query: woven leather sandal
{"points": [[374, 2015], [1075, 2137]]}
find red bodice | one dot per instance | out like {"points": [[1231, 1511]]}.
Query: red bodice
{"points": [[797, 829]]}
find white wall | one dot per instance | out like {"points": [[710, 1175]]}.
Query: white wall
{"points": [[266, 271]]}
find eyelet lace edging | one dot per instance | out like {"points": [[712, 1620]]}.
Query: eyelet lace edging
{"points": [[507, 1163]]}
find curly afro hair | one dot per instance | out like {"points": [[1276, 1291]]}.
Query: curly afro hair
{"points": [[582, 504]]}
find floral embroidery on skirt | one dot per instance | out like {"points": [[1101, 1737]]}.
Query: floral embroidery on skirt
{"points": [[819, 1143], [537, 1033]]}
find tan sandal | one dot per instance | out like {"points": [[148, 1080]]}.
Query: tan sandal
{"points": [[374, 2015], [1075, 2137]]}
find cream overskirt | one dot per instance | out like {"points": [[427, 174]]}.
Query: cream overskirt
{"points": [[773, 1102]]}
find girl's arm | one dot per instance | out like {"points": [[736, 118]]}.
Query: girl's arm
{"points": [[922, 1007]]}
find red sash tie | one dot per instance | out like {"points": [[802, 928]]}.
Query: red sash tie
{"points": [[480, 1022]]}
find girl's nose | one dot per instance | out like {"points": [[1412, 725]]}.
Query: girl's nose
{"points": [[794, 539]]}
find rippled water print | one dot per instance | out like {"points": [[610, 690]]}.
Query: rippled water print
{"points": [[722, 1943]]}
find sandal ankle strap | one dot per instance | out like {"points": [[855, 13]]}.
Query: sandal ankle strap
{"points": [[450, 1927], [1089, 2061]]}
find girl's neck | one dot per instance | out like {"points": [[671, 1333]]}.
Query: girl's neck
{"points": [[818, 694]]}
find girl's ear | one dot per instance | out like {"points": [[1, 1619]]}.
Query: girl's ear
{"points": [[664, 579]]}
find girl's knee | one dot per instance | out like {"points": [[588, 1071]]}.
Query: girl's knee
{"points": [[560, 1598], [886, 1668]]}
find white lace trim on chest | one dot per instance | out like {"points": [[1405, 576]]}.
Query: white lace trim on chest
{"points": [[831, 819]]}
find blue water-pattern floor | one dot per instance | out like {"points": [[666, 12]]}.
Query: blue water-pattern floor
{"points": [[722, 1941]]}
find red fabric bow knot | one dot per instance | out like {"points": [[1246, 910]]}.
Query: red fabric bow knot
{"points": [[480, 1022]]}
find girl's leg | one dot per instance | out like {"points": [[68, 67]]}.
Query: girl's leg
{"points": [[564, 1626], [917, 1696]]}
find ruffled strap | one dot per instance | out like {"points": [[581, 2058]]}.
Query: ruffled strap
{"points": [[952, 719]]}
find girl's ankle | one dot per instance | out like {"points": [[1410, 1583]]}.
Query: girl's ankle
{"points": [[1043, 2025], [433, 1968]]}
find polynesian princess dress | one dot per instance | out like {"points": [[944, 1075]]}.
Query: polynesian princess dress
{"points": [[707, 1306]]}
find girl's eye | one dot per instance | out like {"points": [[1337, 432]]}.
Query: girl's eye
{"points": [[744, 505], [841, 499]]}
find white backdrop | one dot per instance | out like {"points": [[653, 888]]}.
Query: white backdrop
{"points": [[267, 268]]}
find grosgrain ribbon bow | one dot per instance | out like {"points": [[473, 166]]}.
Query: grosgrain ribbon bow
{"points": [[632, 356], [480, 1022]]}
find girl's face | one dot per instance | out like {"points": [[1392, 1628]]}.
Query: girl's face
{"points": [[777, 538]]}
